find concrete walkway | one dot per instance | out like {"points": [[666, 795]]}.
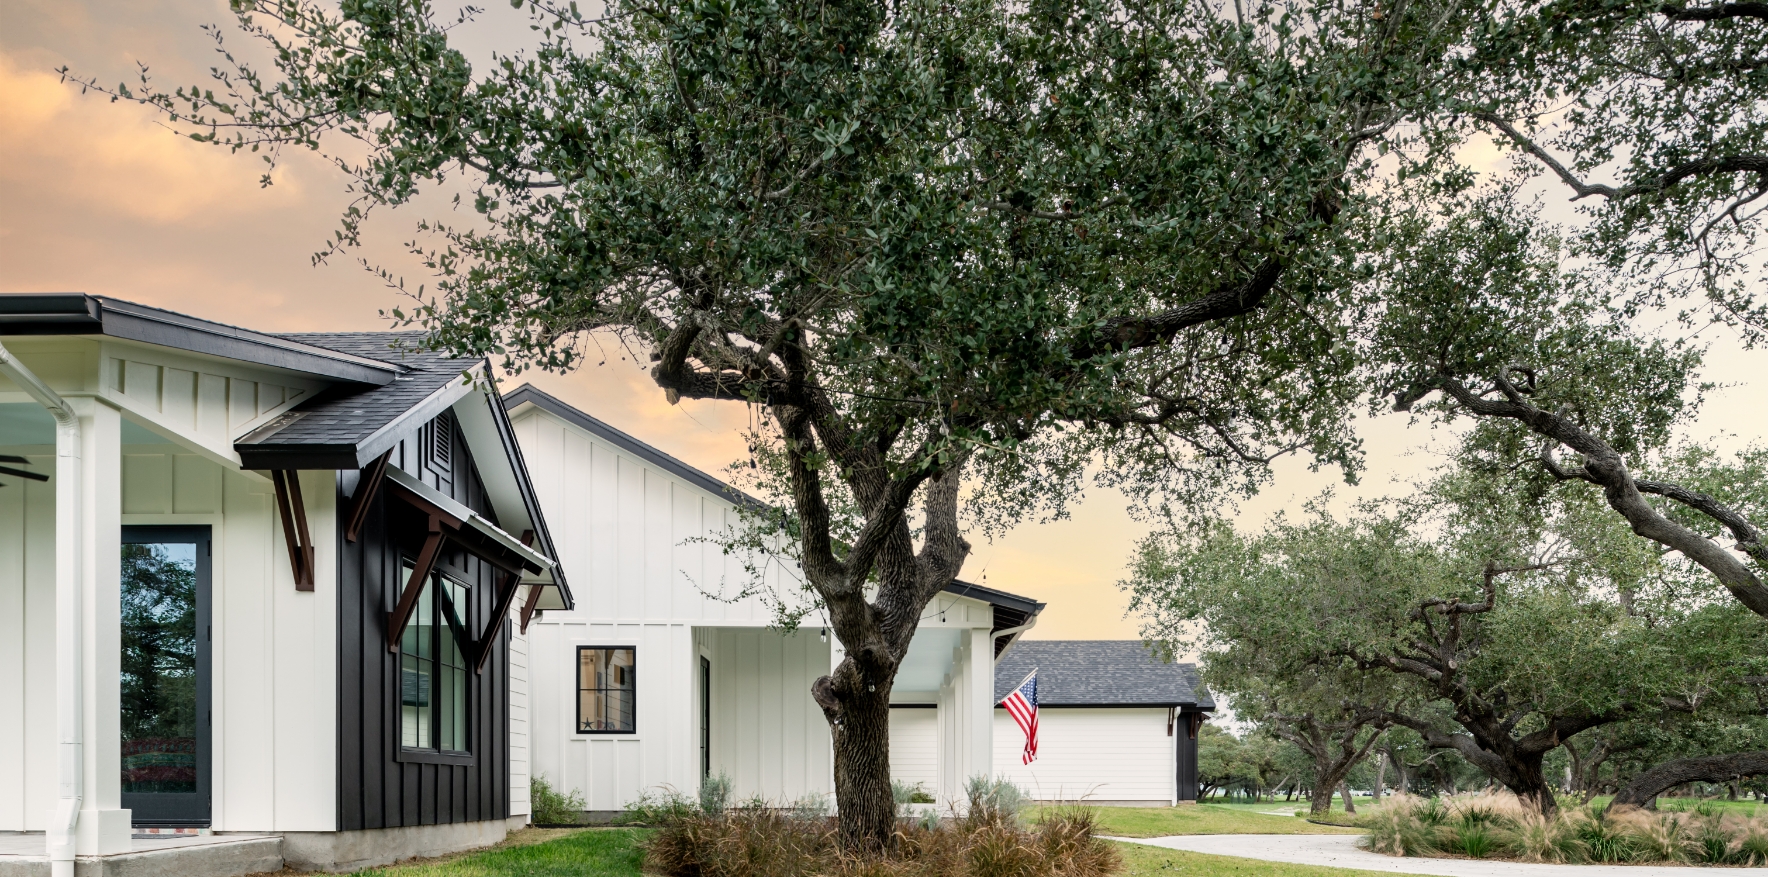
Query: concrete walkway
{"points": [[1341, 851]]}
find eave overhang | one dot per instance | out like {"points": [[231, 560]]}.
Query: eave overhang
{"points": [[74, 313]]}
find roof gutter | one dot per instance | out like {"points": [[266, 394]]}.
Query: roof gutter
{"points": [[1013, 632], [69, 584]]}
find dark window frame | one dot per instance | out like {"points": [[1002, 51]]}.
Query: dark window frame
{"points": [[435, 754], [577, 671]]}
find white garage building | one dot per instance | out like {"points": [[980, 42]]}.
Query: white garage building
{"points": [[1117, 725]]}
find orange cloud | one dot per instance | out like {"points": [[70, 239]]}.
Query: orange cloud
{"points": [[63, 145]]}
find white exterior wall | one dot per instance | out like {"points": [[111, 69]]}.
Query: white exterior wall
{"points": [[914, 747], [623, 528], [629, 536], [521, 801], [768, 734], [1094, 754], [274, 649]]}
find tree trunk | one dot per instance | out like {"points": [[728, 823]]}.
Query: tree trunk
{"points": [[1380, 774], [1705, 769], [1344, 790], [862, 768]]}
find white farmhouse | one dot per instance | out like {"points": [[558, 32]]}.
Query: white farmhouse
{"points": [[260, 596], [668, 672]]}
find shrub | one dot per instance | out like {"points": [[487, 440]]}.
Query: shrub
{"points": [[551, 807], [715, 793], [659, 806], [996, 796], [1502, 826], [780, 842]]}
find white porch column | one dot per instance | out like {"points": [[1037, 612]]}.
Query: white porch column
{"points": [[980, 748], [104, 826]]}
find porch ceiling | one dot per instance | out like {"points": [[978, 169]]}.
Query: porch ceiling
{"points": [[929, 658]]}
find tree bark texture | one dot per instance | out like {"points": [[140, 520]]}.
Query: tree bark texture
{"points": [[1703, 769], [1344, 791]]}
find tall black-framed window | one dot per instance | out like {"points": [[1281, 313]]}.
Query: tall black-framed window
{"points": [[607, 689], [434, 701]]}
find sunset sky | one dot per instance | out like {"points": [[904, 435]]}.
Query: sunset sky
{"points": [[96, 197]]}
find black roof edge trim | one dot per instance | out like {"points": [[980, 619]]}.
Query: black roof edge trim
{"points": [[512, 449], [77, 313], [994, 597], [530, 394], [260, 458]]}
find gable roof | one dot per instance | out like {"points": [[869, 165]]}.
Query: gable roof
{"points": [[348, 427], [528, 394], [1100, 673], [76, 313]]}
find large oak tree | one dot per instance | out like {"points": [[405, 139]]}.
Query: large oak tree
{"points": [[949, 248]]}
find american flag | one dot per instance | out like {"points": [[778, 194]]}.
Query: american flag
{"points": [[1022, 706]]}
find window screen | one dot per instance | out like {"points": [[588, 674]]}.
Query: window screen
{"points": [[606, 689]]}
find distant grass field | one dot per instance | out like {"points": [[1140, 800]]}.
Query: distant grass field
{"points": [[1146, 861], [1199, 819]]}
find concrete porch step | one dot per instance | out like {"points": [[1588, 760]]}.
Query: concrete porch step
{"points": [[213, 855]]}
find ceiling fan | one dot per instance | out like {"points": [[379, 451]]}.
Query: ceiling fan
{"points": [[19, 473]]}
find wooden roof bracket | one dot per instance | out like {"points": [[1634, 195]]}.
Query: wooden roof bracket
{"points": [[366, 487], [420, 573], [494, 624], [294, 526], [528, 606]]}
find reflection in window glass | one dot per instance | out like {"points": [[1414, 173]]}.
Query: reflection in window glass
{"points": [[158, 672], [433, 668], [606, 689]]}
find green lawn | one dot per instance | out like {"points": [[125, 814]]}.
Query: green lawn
{"points": [[1146, 861], [1201, 819], [537, 853]]}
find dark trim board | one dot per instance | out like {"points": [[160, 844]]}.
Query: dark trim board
{"points": [[528, 394], [75, 313], [380, 784]]}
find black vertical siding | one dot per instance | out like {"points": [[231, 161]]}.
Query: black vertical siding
{"points": [[375, 788], [1187, 760]]}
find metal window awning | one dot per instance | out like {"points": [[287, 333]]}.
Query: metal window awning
{"points": [[473, 528]]}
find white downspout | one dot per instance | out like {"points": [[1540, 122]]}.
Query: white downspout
{"points": [[1013, 632], [68, 678]]}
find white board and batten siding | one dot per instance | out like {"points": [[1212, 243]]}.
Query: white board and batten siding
{"points": [[1099, 754], [634, 540], [914, 747], [274, 649]]}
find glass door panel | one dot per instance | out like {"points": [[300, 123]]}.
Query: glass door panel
{"points": [[165, 674]]}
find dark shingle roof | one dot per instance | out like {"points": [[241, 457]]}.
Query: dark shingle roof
{"points": [[339, 427], [1100, 673]]}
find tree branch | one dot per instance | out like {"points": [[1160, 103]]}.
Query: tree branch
{"points": [[1604, 466], [1721, 164]]}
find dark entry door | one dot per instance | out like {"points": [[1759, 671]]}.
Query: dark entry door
{"points": [[705, 717], [165, 674]]}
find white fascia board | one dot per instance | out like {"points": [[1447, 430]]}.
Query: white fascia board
{"points": [[468, 516], [442, 399]]}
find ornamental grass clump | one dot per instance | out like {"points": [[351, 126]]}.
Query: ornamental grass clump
{"points": [[987, 840], [1501, 826]]}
